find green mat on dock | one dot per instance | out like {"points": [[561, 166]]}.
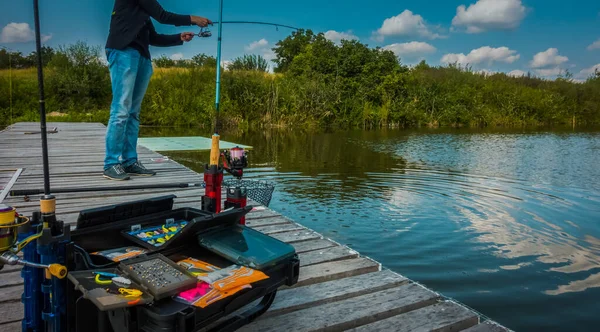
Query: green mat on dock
{"points": [[191, 143]]}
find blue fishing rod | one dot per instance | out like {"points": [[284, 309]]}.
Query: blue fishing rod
{"points": [[204, 32], [213, 174], [218, 80]]}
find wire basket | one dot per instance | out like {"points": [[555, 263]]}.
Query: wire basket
{"points": [[259, 191]]}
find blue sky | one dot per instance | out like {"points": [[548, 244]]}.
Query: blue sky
{"points": [[542, 36]]}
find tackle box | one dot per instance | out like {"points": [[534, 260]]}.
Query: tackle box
{"points": [[217, 239]]}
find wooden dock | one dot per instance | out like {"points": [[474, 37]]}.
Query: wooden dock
{"points": [[338, 288]]}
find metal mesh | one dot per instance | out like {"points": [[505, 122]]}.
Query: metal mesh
{"points": [[259, 191]]}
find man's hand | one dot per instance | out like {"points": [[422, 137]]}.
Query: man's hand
{"points": [[201, 21], [187, 36]]}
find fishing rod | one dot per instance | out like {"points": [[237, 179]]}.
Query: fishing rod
{"points": [[28, 192], [218, 80], [258, 22], [40, 72], [204, 32]]}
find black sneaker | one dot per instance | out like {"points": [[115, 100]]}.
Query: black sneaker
{"points": [[116, 172], [138, 169]]}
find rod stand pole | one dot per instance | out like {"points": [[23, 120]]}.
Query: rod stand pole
{"points": [[42, 101]]}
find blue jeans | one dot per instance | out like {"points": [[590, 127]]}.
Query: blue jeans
{"points": [[129, 74]]}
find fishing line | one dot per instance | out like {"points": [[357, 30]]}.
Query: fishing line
{"points": [[204, 32], [257, 22]]}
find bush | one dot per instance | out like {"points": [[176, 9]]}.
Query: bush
{"points": [[80, 81]]}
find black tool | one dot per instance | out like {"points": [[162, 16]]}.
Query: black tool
{"points": [[27, 192]]}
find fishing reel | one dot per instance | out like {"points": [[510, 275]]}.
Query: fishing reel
{"points": [[234, 161], [204, 33], [10, 222]]}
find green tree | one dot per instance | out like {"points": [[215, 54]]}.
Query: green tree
{"points": [[203, 60], [83, 80], [47, 55], [286, 50], [164, 62], [16, 60]]}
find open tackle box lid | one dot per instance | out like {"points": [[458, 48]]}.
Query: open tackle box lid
{"points": [[188, 232], [96, 227], [246, 246]]}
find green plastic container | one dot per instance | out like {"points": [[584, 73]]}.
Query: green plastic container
{"points": [[247, 247]]}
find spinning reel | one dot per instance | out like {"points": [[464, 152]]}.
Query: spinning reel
{"points": [[204, 33], [234, 161]]}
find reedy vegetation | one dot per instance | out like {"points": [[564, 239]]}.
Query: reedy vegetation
{"points": [[316, 83]]}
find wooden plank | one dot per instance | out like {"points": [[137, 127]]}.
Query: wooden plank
{"points": [[326, 255], [264, 214], [335, 270], [10, 279], [311, 245], [296, 236], [349, 313], [11, 268], [11, 327], [12, 293], [441, 317], [280, 228], [309, 296], [261, 222], [11, 312], [10, 184], [487, 326]]}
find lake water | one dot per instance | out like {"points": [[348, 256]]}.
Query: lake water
{"points": [[507, 222]]}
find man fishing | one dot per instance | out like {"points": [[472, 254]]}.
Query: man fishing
{"points": [[127, 51]]}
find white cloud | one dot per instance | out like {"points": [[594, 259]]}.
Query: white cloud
{"points": [[484, 54], [177, 56], [405, 24], [587, 72], [490, 15], [411, 49], [257, 44], [516, 73], [337, 37], [19, 33], [548, 58], [594, 45]]}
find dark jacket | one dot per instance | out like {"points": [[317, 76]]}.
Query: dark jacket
{"points": [[129, 16]]}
